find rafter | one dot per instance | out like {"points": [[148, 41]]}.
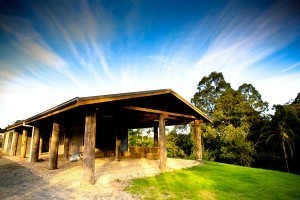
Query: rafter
{"points": [[167, 114]]}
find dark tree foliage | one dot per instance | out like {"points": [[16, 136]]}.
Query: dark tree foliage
{"points": [[266, 154], [184, 142], [297, 99], [284, 134]]}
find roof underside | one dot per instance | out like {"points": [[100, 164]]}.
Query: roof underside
{"points": [[130, 110]]}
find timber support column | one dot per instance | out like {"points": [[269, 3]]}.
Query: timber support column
{"points": [[118, 146], [35, 146], [66, 142], [14, 143], [88, 163], [41, 146], [53, 154], [162, 143], [198, 140], [24, 144], [156, 136]]}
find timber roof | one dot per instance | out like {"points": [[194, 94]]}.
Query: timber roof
{"points": [[132, 110]]}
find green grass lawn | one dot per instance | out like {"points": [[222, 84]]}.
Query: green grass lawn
{"points": [[218, 181]]}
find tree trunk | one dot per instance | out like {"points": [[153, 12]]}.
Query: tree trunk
{"points": [[285, 156]]}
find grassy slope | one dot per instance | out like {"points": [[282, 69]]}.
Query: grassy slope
{"points": [[219, 181]]}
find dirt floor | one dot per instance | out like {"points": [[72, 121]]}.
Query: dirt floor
{"points": [[22, 180]]}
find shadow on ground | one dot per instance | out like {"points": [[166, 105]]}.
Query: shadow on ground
{"points": [[19, 182]]}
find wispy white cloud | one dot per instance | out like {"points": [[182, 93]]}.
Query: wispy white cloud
{"points": [[293, 66], [84, 49], [83, 30], [234, 42], [31, 43]]}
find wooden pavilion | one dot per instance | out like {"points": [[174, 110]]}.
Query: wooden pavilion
{"points": [[101, 123]]}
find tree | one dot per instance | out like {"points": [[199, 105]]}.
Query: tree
{"points": [[232, 121], [233, 109], [285, 140], [285, 129], [178, 142], [209, 90], [236, 149], [297, 99], [140, 137], [233, 113], [253, 97]]}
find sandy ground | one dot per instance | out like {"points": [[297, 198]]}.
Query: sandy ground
{"points": [[22, 180]]}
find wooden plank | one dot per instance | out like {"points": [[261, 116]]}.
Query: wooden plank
{"points": [[35, 146], [88, 163], [158, 112], [198, 141], [24, 143], [162, 143], [53, 152]]}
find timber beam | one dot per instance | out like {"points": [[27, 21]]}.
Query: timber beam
{"points": [[166, 114]]}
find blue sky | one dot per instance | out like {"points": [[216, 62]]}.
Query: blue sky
{"points": [[52, 51]]}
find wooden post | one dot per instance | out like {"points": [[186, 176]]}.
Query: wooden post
{"points": [[35, 146], [88, 163], [155, 136], [41, 146], [162, 143], [198, 141], [53, 154], [24, 143], [66, 142], [118, 146], [4, 143], [14, 144]]}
